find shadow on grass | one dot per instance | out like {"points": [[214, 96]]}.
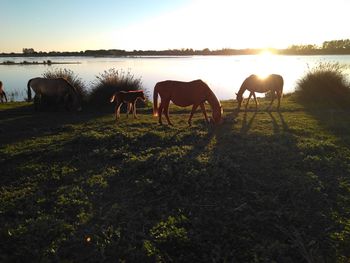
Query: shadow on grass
{"points": [[159, 193], [334, 121], [255, 199], [21, 123]]}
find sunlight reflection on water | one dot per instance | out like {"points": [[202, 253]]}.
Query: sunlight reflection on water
{"points": [[224, 74]]}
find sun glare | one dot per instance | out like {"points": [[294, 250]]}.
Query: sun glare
{"points": [[265, 63], [265, 53]]}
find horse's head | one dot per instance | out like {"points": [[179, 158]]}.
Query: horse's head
{"points": [[73, 101], [143, 96], [239, 98], [217, 115]]}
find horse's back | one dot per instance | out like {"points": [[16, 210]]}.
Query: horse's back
{"points": [[176, 86], [182, 93], [271, 82], [50, 87], [129, 96]]}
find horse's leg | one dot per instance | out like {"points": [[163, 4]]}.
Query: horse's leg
{"points": [[117, 110], [194, 107], [37, 102], [204, 112], [251, 93], [166, 111], [160, 110], [279, 95], [134, 109], [256, 101], [129, 108], [272, 100]]}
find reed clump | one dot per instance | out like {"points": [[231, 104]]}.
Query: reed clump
{"points": [[70, 76], [109, 82], [325, 85]]}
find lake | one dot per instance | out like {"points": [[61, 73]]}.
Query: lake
{"points": [[223, 74]]}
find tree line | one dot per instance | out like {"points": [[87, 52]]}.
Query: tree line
{"points": [[337, 47]]}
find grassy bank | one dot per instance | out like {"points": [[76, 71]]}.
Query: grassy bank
{"points": [[262, 187]]}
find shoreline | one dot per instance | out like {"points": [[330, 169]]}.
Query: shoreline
{"points": [[10, 63]]}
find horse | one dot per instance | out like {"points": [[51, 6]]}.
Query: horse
{"points": [[54, 92], [128, 97], [184, 94], [253, 83], [2, 93]]}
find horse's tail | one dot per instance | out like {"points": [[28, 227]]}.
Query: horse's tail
{"points": [[4, 94], [282, 83], [155, 100], [29, 92]]}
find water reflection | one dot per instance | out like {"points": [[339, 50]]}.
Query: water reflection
{"points": [[224, 74]]}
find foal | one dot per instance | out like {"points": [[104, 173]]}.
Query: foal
{"points": [[2, 93], [129, 97]]}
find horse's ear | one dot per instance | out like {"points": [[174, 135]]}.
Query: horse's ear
{"points": [[236, 93]]}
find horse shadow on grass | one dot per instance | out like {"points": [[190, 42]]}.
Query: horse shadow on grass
{"points": [[252, 193], [182, 194]]}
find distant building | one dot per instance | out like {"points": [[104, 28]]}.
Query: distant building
{"points": [[28, 51]]}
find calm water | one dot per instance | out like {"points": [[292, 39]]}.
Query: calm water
{"points": [[224, 74]]}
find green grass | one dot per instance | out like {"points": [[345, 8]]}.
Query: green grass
{"points": [[262, 187]]}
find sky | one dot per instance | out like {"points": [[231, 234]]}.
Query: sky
{"points": [[78, 25]]}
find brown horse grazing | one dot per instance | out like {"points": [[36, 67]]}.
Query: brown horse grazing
{"points": [[2, 93], [253, 83], [185, 94], [128, 97]]}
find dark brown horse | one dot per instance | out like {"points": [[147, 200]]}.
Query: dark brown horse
{"points": [[253, 83], [184, 94], [2, 93], [128, 97]]}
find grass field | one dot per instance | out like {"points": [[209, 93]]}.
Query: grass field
{"points": [[262, 187]]}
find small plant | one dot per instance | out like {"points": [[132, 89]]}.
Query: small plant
{"points": [[110, 81], [324, 85], [68, 75]]}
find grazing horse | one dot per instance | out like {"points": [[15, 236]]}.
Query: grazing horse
{"points": [[128, 97], [2, 93], [184, 94], [54, 91], [253, 83]]}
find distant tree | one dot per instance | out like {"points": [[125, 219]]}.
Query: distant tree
{"points": [[28, 51], [337, 44]]}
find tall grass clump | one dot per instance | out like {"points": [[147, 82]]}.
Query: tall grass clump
{"points": [[325, 85], [70, 76], [109, 82]]}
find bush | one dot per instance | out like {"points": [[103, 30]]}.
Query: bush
{"points": [[70, 76], [110, 81], [324, 85]]}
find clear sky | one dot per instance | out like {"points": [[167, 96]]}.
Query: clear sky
{"points": [[75, 25]]}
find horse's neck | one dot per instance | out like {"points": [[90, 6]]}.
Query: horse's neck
{"points": [[242, 90], [213, 101]]}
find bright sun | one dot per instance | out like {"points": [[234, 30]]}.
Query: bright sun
{"points": [[265, 63]]}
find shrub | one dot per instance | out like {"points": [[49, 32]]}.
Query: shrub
{"points": [[70, 76], [324, 85], [110, 81]]}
